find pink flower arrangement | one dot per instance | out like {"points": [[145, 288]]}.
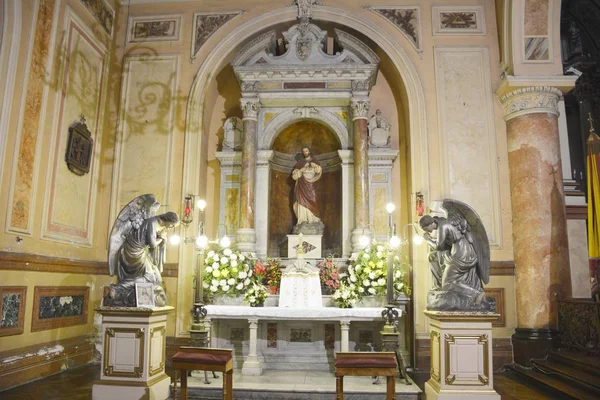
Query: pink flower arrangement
{"points": [[329, 274]]}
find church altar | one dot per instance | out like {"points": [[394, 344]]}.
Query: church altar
{"points": [[291, 338]]}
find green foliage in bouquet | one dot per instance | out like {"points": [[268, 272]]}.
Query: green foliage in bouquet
{"points": [[256, 294], [345, 296], [367, 273], [227, 272]]}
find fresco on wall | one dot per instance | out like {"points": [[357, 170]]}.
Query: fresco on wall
{"points": [[102, 13], [207, 24], [155, 29], [405, 18], [23, 187]]}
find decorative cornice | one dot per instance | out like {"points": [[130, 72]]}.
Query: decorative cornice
{"points": [[530, 100], [382, 158], [250, 108], [360, 108], [229, 158]]}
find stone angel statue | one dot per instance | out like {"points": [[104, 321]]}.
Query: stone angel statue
{"points": [[459, 259], [136, 251]]}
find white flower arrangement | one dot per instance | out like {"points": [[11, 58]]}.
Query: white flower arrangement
{"points": [[367, 275], [227, 272], [256, 294], [345, 296]]}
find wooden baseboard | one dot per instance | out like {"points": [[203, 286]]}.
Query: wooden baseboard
{"points": [[27, 364]]}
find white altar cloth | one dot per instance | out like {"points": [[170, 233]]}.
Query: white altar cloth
{"points": [[300, 290]]}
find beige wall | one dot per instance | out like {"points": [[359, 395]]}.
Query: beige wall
{"points": [[142, 111], [61, 70]]}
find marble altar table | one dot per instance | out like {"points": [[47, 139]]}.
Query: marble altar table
{"points": [[253, 363]]}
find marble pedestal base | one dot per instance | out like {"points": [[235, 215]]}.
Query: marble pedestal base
{"points": [[133, 356], [461, 356]]}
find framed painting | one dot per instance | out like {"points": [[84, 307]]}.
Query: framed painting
{"points": [[144, 294], [12, 309], [498, 294], [59, 306]]}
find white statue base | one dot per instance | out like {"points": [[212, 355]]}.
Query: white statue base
{"points": [[133, 358], [461, 356], [300, 286], [311, 244]]}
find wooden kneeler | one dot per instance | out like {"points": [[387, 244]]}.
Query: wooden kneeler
{"points": [[360, 363], [204, 359]]}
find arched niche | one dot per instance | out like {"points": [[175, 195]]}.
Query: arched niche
{"points": [[286, 147], [409, 94]]}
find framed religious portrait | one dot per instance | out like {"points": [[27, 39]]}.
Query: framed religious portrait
{"points": [[144, 294], [80, 147]]}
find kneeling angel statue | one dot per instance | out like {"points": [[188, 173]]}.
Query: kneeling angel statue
{"points": [[459, 259], [136, 251]]}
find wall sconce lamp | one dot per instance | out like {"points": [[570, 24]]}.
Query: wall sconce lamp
{"points": [[419, 208], [187, 218]]}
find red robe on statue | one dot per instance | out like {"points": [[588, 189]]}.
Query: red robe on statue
{"points": [[305, 191]]}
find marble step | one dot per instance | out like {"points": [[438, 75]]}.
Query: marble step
{"points": [[550, 383], [296, 385], [578, 360]]}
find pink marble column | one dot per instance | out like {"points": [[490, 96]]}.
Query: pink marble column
{"points": [[360, 109], [539, 217], [246, 234]]}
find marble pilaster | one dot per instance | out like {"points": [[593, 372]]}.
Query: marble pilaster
{"points": [[246, 235], [347, 201], [360, 109], [539, 216], [262, 201]]}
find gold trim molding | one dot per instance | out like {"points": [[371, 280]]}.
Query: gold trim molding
{"points": [[483, 340], [161, 366], [138, 371]]}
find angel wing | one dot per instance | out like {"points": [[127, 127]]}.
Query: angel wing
{"points": [[470, 223], [130, 217]]}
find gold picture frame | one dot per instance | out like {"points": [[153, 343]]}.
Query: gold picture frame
{"points": [[59, 306]]}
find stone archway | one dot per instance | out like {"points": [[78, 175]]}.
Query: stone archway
{"points": [[195, 120]]}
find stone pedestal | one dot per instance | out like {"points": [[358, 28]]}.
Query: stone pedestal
{"points": [[312, 245], [133, 356], [461, 356]]}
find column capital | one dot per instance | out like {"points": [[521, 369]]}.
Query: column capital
{"points": [[345, 324], [253, 322], [360, 107], [530, 100], [263, 157], [250, 107]]}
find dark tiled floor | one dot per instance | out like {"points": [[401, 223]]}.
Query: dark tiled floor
{"points": [[77, 384]]}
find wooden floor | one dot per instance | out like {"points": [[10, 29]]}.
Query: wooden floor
{"points": [[77, 384]]}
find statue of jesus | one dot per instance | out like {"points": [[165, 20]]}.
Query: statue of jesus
{"points": [[306, 205]]}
